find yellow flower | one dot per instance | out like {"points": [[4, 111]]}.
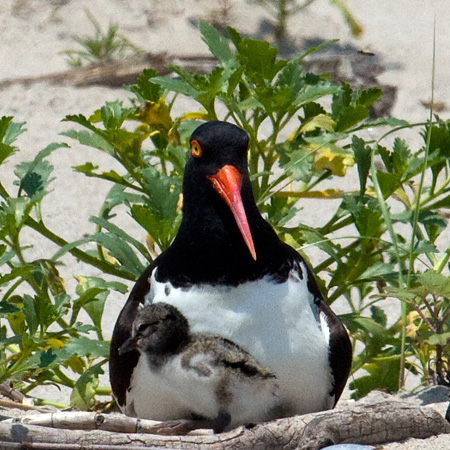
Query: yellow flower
{"points": [[411, 327], [334, 160], [156, 114], [56, 343]]}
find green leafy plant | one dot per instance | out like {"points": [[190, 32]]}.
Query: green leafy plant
{"points": [[48, 344], [282, 10], [102, 46], [366, 253]]}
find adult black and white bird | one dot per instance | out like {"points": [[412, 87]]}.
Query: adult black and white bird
{"points": [[230, 275], [209, 380]]}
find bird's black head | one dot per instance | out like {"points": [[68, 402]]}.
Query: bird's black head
{"points": [[217, 144], [223, 238], [216, 176], [157, 329]]}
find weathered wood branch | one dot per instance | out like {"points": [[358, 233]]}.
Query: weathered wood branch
{"points": [[387, 421], [81, 420], [7, 390], [117, 73], [357, 69]]}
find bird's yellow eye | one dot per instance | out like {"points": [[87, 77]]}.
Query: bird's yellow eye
{"points": [[196, 149]]}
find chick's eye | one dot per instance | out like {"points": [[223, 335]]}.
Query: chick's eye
{"points": [[142, 327], [196, 149]]}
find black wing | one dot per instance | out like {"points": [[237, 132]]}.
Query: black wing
{"points": [[340, 352], [121, 366]]}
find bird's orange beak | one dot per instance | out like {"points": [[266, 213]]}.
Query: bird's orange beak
{"points": [[227, 182]]}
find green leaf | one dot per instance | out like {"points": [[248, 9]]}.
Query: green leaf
{"points": [[292, 79], [401, 156], [83, 346], [93, 292], [389, 183], [34, 176], [95, 296], [440, 138], [161, 230], [5, 255], [9, 131], [351, 116], [367, 217], [88, 169], [163, 193], [217, 45], [314, 92], [389, 122], [7, 308], [435, 283], [400, 161], [383, 374], [121, 235], [90, 139], [355, 323], [321, 121], [113, 115], [175, 85], [363, 157], [366, 97], [13, 214], [259, 58], [31, 315], [84, 391], [121, 251], [377, 271], [296, 160], [442, 339], [378, 315], [310, 236], [144, 89], [280, 211]]}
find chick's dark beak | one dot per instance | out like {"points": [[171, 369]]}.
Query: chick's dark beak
{"points": [[227, 182], [128, 345]]}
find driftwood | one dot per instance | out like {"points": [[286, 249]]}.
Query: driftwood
{"points": [[4, 403], [80, 420], [7, 390], [359, 70], [117, 73], [386, 421]]}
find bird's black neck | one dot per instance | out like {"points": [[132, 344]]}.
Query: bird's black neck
{"points": [[210, 249]]}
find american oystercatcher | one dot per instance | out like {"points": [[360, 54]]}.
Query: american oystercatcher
{"points": [[230, 275], [202, 376]]}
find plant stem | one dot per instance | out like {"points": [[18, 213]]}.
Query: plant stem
{"points": [[392, 234], [3, 192], [440, 265], [103, 390], [63, 378], [43, 402], [82, 256]]}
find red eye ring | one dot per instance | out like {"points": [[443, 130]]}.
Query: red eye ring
{"points": [[196, 149]]}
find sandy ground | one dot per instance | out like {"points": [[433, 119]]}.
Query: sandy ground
{"points": [[34, 32]]}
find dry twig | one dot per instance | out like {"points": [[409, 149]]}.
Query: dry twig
{"points": [[387, 421]]}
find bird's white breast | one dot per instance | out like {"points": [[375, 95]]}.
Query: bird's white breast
{"points": [[275, 322]]}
